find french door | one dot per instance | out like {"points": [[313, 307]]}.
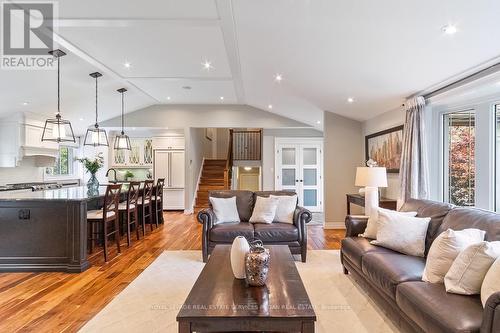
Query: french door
{"points": [[299, 169]]}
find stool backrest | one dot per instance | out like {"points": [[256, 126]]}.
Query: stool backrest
{"points": [[160, 184], [133, 193], [148, 189], [111, 200]]}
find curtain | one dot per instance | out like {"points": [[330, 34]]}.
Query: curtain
{"points": [[413, 172]]}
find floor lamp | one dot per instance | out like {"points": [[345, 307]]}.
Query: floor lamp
{"points": [[371, 178]]}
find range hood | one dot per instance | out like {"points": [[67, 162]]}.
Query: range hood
{"points": [[44, 157]]}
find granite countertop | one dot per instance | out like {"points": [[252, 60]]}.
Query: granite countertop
{"points": [[78, 193]]}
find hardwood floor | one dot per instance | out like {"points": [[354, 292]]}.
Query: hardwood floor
{"points": [[61, 302]]}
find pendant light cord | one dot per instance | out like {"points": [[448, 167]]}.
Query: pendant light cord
{"points": [[96, 101], [122, 116], [58, 86]]}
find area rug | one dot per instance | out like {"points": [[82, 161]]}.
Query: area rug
{"points": [[151, 302]]}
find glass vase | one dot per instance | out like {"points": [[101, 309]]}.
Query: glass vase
{"points": [[93, 183]]}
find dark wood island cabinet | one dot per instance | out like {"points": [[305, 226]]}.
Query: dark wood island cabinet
{"points": [[45, 230]]}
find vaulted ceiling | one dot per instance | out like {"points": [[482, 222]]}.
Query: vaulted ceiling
{"points": [[376, 52]]}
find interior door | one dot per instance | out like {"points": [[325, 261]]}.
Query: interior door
{"points": [[298, 169], [310, 176], [288, 173]]}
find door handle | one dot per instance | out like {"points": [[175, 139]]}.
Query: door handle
{"points": [[301, 180]]}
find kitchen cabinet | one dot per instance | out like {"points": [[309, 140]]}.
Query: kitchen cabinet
{"points": [[169, 142], [170, 164], [140, 155]]}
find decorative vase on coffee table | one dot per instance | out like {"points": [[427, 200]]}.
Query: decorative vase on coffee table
{"points": [[257, 264], [239, 249]]}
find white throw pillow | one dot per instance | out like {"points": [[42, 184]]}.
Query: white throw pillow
{"points": [[286, 208], [225, 209], [402, 233], [491, 282], [264, 210], [468, 270], [371, 225], [445, 249]]}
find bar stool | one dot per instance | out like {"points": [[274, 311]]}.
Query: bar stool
{"points": [[158, 201], [146, 205], [129, 209], [105, 217]]}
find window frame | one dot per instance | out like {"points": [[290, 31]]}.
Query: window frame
{"points": [[71, 165], [444, 152]]}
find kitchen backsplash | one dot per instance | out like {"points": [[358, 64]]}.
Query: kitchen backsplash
{"points": [[27, 171]]}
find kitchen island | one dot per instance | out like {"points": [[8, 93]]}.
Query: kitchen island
{"points": [[46, 230]]}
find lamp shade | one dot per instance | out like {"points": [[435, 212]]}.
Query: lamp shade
{"points": [[371, 177]]}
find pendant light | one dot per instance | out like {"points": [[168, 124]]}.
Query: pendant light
{"points": [[122, 141], [58, 129], [96, 136]]}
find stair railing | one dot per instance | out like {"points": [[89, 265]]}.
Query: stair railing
{"points": [[229, 163]]}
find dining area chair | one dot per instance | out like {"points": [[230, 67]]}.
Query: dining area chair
{"points": [[158, 201], [103, 223], [129, 210], [146, 205]]}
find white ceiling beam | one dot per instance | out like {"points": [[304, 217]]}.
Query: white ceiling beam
{"points": [[228, 27], [135, 22]]}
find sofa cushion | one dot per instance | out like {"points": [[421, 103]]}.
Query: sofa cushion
{"points": [[435, 310], [226, 232], [387, 270], [426, 208], [276, 232], [464, 218], [244, 201], [355, 247]]}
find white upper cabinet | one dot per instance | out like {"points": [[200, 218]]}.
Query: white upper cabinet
{"points": [[169, 142], [140, 156]]}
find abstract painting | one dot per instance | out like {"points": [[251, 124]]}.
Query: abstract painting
{"points": [[385, 148]]}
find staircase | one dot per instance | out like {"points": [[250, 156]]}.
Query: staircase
{"points": [[212, 178]]}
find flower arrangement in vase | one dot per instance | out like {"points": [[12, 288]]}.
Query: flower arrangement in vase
{"points": [[92, 166]]}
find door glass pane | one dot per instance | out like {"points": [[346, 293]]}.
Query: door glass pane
{"points": [[309, 156], [288, 156], [460, 173], [288, 177], [309, 177], [310, 198]]}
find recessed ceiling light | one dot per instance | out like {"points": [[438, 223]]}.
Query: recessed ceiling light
{"points": [[25, 103], [278, 77], [449, 29], [221, 98], [127, 64], [81, 119], [270, 106], [186, 87], [168, 98], [247, 168], [207, 65], [318, 122], [350, 100]]}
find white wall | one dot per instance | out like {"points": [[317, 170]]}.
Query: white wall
{"points": [[268, 153], [26, 172], [382, 122], [342, 139], [198, 147]]}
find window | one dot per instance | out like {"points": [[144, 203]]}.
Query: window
{"points": [[64, 163], [459, 158]]}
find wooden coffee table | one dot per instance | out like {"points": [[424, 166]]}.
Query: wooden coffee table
{"points": [[220, 303]]}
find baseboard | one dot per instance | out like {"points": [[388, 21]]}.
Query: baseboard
{"points": [[334, 225]]}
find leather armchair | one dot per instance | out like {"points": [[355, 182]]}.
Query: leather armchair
{"points": [[491, 314], [301, 217]]}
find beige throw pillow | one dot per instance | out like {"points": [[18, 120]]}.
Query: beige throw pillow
{"points": [[371, 225], [225, 209], [445, 249], [286, 208], [402, 233], [264, 210], [467, 272], [491, 282]]}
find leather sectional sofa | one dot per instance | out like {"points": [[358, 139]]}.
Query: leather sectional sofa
{"points": [[294, 235], [394, 280]]}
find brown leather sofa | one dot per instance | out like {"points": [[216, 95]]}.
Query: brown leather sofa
{"points": [[394, 280], [294, 235]]}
